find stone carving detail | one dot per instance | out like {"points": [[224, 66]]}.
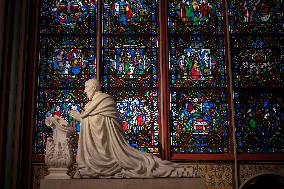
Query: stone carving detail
{"points": [[217, 176], [58, 151]]}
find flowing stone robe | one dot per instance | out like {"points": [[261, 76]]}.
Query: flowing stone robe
{"points": [[104, 153]]}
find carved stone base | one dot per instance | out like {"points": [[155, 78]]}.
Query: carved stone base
{"points": [[155, 183], [57, 173]]}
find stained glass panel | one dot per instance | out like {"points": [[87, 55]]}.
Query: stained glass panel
{"points": [[197, 78], [256, 29], [68, 16], [64, 59], [197, 61], [67, 60], [258, 61], [195, 16], [130, 17], [256, 17], [130, 61], [131, 75], [199, 121], [259, 118]]}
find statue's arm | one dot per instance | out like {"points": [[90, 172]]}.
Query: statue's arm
{"points": [[76, 115]]}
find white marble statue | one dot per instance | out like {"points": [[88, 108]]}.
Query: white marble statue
{"points": [[102, 150], [59, 154]]}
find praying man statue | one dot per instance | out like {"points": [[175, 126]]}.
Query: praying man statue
{"points": [[102, 150]]}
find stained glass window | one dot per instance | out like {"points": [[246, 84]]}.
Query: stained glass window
{"points": [[198, 98], [130, 68], [133, 64], [130, 17], [256, 29], [67, 60]]}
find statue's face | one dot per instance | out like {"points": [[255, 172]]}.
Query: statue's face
{"points": [[89, 89]]}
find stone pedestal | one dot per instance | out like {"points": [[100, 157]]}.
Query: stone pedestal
{"points": [[59, 154], [57, 173], [153, 183]]}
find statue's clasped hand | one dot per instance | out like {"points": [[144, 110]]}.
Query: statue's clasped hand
{"points": [[76, 115]]}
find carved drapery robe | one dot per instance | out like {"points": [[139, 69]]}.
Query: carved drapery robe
{"points": [[104, 153]]}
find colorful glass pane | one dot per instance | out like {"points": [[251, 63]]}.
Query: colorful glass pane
{"points": [[68, 16], [198, 102], [130, 61], [130, 17], [195, 16], [259, 118], [258, 60], [199, 121], [197, 61], [67, 60], [131, 76], [256, 16], [256, 29], [64, 59]]}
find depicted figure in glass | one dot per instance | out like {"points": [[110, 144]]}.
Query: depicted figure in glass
{"points": [[130, 61], [195, 12], [196, 63], [255, 11]]}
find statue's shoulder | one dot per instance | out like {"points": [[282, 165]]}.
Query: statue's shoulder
{"points": [[105, 95], [101, 96]]}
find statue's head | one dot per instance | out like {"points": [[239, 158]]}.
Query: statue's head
{"points": [[92, 86]]}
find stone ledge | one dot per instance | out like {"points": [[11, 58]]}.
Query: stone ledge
{"points": [[155, 183]]}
